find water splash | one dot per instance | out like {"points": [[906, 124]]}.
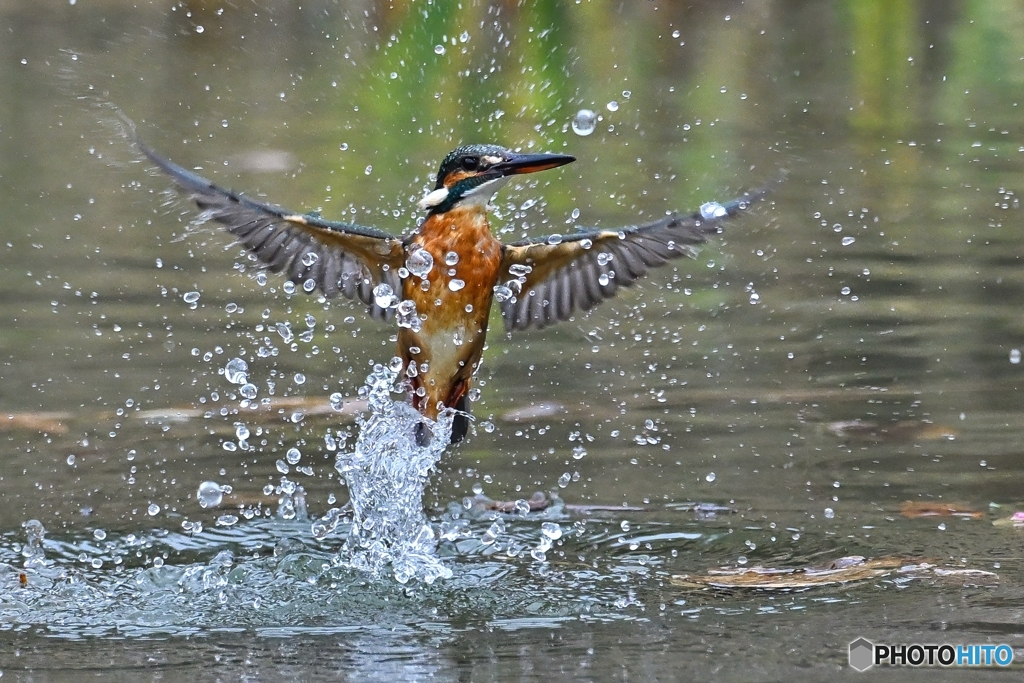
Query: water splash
{"points": [[386, 475]]}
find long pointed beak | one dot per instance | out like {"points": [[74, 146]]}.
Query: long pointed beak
{"points": [[531, 163]]}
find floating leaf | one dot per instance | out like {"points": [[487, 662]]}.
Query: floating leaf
{"points": [[52, 423], [929, 508], [904, 430], [841, 571]]}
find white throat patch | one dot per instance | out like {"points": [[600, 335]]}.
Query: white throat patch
{"points": [[433, 198], [481, 194]]}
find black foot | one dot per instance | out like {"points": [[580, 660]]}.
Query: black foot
{"points": [[460, 425]]}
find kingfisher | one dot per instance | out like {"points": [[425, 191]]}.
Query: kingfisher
{"points": [[439, 281]]}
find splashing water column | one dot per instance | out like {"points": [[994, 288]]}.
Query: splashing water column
{"points": [[386, 475]]}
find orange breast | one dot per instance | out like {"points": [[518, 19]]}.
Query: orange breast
{"points": [[454, 305]]}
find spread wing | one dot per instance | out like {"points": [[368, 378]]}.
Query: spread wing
{"points": [[316, 254], [547, 279]]}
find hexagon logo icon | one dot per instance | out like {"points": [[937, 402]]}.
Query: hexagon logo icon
{"points": [[862, 654]]}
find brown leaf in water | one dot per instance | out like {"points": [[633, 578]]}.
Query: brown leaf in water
{"points": [[538, 501], [309, 406], [246, 499], [915, 509], [52, 423], [904, 430], [841, 571]]}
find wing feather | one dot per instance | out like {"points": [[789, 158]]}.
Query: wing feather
{"points": [[579, 271], [316, 254]]}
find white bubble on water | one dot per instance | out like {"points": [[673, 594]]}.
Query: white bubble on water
{"points": [[551, 530]]}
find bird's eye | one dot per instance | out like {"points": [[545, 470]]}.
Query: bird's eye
{"points": [[471, 163]]}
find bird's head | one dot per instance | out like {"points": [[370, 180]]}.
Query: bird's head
{"points": [[473, 173]]}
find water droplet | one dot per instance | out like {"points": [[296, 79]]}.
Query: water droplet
{"points": [[829, 513], [845, 291], [241, 432], [190, 297], [99, 534], [1014, 358], [710, 477], [612, 106], [227, 520], [519, 270], [328, 523], [502, 293], [554, 239], [299, 378], [248, 391], [455, 284], [153, 509], [407, 315], [293, 456], [584, 123], [384, 296], [235, 371], [552, 530], [209, 494], [439, 49], [711, 210], [451, 258], [71, 458], [419, 262], [848, 240]]}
